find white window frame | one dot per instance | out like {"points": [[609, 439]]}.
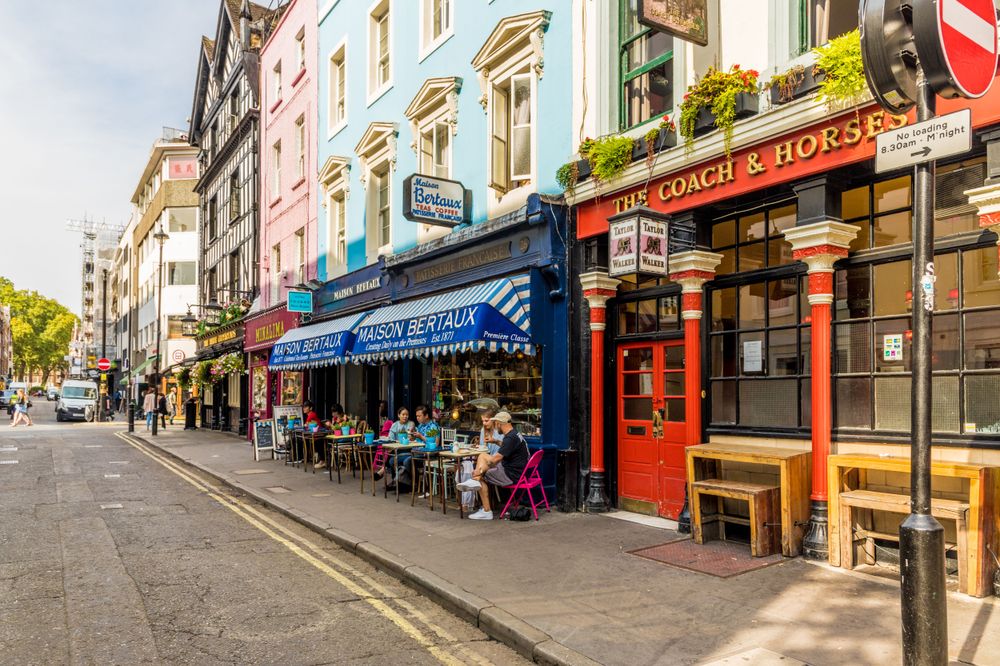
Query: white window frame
{"points": [[376, 152], [300, 149], [337, 82], [429, 43], [378, 10], [505, 82], [377, 173], [300, 256], [336, 211], [432, 132], [300, 49], [276, 273], [276, 170], [276, 82]]}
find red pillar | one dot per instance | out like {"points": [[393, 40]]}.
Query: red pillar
{"points": [[691, 312]]}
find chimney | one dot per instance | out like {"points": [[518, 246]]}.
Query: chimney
{"points": [[245, 24]]}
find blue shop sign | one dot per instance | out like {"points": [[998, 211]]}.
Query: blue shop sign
{"points": [[437, 201], [360, 287], [326, 343], [300, 301]]}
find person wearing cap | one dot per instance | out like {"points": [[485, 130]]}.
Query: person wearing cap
{"points": [[502, 468]]}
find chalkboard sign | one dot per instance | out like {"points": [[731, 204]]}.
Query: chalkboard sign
{"points": [[263, 437]]}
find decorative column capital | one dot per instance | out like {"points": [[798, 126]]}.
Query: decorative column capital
{"points": [[693, 268], [821, 244], [987, 200], [598, 288]]}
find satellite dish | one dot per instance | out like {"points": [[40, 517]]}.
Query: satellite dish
{"points": [[888, 52]]}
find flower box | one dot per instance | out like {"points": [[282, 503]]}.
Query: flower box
{"points": [[583, 169], [809, 84], [747, 104], [666, 139]]}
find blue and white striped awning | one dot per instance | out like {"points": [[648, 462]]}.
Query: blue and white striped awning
{"points": [[493, 316], [322, 344]]}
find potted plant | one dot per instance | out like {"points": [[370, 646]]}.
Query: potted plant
{"points": [[660, 137], [431, 437], [610, 156], [203, 373], [184, 378], [717, 101], [794, 83], [843, 83]]}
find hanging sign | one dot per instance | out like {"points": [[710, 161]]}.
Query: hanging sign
{"points": [[652, 246], [637, 240], [685, 19], [300, 301], [444, 203], [623, 255]]}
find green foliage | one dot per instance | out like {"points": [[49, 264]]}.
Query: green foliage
{"points": [[41, 330], [184, 378], [610, 156], [840, 59], [786, 82], [36, 389], [716, 91], [567, 176], [203, 372], [231, 363]]}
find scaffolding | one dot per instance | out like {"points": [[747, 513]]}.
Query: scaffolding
{"points": [[100, 240]]}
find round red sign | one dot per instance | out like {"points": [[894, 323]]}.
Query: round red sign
{"points": [[957, 45], [103, 364]]}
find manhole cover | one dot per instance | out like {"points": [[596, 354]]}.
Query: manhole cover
{"points": [[716, 558]]}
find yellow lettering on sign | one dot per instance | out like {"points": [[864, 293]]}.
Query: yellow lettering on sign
{"points": [[875, 123], [726, 172], [806, 146], [852, 132], [693, 185], [783, 154], [830, 142], [705, 182]]}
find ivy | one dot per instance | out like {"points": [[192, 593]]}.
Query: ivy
{"points": [[840, 59], [717, 92], [567, 176]]}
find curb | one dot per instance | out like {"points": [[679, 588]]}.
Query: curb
{"points": [[498, 624]]}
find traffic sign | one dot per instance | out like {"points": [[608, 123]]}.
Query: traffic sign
{"points": [[103, 364], [888, 54], [922, 142], [956, 43]]}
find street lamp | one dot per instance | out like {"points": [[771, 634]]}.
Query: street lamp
{"points": [[161, 237]]}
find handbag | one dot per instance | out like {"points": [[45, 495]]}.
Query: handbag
{"points": [[519, 513]]}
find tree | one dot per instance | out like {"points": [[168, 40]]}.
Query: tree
{"points": [[41, 329]]}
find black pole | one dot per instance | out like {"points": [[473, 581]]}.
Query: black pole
{"points": [[156, 360], [104, 341], [921, 537]]}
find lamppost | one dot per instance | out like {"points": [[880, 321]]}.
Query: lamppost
{"points": [[104, 342], [161, 237]]}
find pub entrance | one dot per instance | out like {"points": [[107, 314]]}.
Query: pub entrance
{"points": [[651, 427]]}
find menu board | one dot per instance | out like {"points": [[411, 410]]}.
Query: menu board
{"points": [[263, 437], [283, 415]]}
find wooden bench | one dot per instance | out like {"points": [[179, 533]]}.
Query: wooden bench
{"points": [[849, 472], [871, 500], [765, 509], [703, 462]]}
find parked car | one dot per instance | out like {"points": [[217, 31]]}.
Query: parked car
{"points": [[52, 393], [78, 401], [5, 397]]}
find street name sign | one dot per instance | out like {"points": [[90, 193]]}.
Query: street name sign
{"points": [[956, 43], [922, 142]]}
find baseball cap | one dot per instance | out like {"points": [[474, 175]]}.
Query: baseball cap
{"points": [[502, 417]]}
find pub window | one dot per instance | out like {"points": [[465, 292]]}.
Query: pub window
{"points": [[651, 315], [819, 21], [759, 355], [754, 240], [646, 59]]}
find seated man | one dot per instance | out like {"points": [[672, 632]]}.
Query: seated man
{"points": [[502, 468]]}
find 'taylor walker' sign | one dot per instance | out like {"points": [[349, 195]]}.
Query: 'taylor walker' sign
{"points": [[637, 243], [437, 201]]}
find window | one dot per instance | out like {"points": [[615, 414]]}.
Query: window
{"points": [[300, 256], [212, 215], [646, 68], [276, 82], [337, 211], [511, 146], [234, 110], [383, 217], [435, 151], [436, 23], [276, 275], [754, 240], [235, 207], [234, 275], [276, 170], [300, 48], [338, 89], [379, 49], [820, 21], [652, 315], [377, 155], [212, 285], [300, 148], [180, 273]]}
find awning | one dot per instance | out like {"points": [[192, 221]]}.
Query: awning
{"points": [[142, 366], [493, 316], [326, 343]]}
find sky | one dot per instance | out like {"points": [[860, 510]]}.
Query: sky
{"points": [[85, 90]]}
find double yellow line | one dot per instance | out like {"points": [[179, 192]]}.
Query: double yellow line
{"points": [[357, 582]]}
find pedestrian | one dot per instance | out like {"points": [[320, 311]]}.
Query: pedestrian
{"points": [[109, 407], [502, 468], [149, 406], [161, 408], [172, 405], [119, 402], [21, 410], [12, 408]]}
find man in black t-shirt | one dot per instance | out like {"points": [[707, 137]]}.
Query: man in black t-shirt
{"points": [[503, 468]]}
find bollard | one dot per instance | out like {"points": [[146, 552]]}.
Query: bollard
{"points": [[131, 415]]}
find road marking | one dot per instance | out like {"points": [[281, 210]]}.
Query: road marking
{"points": [[118, 462], [112, 506], [112, 476], [301, 547], [8, 449], [8, 462], [93, 446]]}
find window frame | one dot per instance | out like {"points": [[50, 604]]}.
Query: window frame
{"points": [[625, 75], [337, 94], [502, 87], [276, 82], [276, 278], [276, 171], [300, 146], [380, 14], [337, 226], [300, 256], [428, 42], [432, 130], [235, 200], [300, 50]]}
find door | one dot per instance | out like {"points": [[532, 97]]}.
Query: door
{"points": [[651, 425]]}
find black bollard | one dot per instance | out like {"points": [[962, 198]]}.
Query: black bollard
{"points": [[131, 416], [190, 414]]}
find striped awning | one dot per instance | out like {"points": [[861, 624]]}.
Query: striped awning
{"points": [[493, 316], [318, 345]]}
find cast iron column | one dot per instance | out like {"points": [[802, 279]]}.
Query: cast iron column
{"points": [[104, 341], [921, 537], [161, 237], [597, 289]]}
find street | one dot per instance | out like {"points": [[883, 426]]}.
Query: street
{"points": [[111, 553]]}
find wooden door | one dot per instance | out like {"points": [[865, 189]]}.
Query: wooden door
{"points": [[651, 425]]}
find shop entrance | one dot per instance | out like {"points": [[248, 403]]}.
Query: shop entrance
{"points": [[651, 427]]}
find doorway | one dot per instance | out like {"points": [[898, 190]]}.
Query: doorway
{"points": [[651, 427]]}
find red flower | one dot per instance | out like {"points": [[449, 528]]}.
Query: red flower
{"points": [[736, 68]]}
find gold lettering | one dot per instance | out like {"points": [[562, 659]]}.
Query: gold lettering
{"points": [[830, 135], [852, 132], [806, 153], [898, 120], [726, 172], [754, 166], [783, 154], [665, 191], [679, 187], [705, 182], [693, 185], [875, 124]]}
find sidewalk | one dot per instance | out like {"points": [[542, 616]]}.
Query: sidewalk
{"points": [[570, 577]]}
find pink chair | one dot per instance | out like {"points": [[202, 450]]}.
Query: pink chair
{"points": [[530, 478]]}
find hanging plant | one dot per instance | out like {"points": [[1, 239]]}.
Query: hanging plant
{"points": [[610, 156], [184, 378], [785, 83], [203, 372], [202, 328], [657, 138], [840, 59], [717, 92], [230, 364], [567, 176]]}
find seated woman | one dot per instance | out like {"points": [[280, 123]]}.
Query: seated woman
{"points": [[383, 421], [402, 426], [337, 416], [491, 438]]}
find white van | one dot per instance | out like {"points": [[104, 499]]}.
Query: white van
{"points": [[77, 401]]}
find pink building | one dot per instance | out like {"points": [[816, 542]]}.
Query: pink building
{"points": [[288, 236]]}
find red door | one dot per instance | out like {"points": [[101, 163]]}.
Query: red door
{"points": [[651, 424]]}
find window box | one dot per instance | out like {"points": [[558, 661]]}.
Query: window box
{"points": [[583, 169], [666, 139], [747, 104], [809, 84]]}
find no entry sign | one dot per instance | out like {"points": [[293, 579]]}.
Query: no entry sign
{"points": [[103, 364], [956, 43]]}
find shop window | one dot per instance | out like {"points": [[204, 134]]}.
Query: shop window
{"points": [[755, 240], [646, 59], [636, 282], [467, 382], [291, 388], [953, 214], [651, 315], [183, 220]]}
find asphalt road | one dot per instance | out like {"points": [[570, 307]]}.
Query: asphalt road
{"points": [[111, 553]]}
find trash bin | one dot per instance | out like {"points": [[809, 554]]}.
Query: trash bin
{"points": [[190, 414], [567, 479]]}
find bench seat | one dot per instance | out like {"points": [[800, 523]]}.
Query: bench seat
{"points": [[764, 502]]}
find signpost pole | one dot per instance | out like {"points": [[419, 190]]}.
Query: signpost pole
{"points": [[921, 537]]}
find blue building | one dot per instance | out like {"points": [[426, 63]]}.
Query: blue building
{"points": [[442, 239]]}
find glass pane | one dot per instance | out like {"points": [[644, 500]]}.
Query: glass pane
{"points": [[728, 263], [640, 383], [806, 403], [637, 409], [647, 316], [675, 410], [980, 284], [673, 357], [751, 256], [782, 352], [862, 241], [646, 282], [673, 383], [893, 345], [805, 346], [892, 403], [769, 403], [649, 95], [724, 402], [854, 203], [646, 49], [982, 409], [893, 229], [627, 320], [780, 219], [752, 305], [892, 194], [953, 214], [669, 313], [854, 403], [782, 297], [724, 309], [779, 252], [946, 354], [944, 404], [724, 234], [520, 142], [892, 288], [637, 359], [982, 340], [752, 353], [852, 297], [852, 347], [752, 227], [724, 355]]}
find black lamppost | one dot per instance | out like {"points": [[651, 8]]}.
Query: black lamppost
{"points": [[104, 342], [161, 237]]}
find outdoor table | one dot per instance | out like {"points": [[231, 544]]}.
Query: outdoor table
{"points": [[457, 456], [295, 441], [394, 449], [334, 443], [309, 447]]}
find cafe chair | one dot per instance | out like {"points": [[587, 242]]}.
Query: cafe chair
{"points": [[530, 479], [448, 435]]}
